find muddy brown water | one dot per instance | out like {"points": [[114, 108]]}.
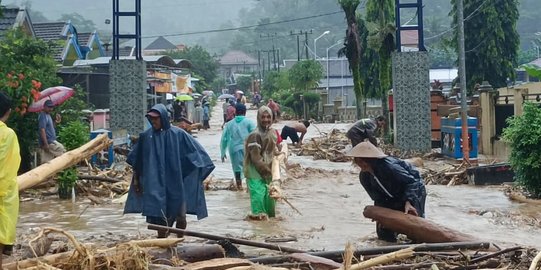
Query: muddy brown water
{"points": [[330, 198]]}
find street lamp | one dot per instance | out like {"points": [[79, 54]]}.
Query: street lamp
{"points": [[338, 42], [315, 40]]}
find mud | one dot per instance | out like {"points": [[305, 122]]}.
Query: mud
{"points": [[328, 195]]}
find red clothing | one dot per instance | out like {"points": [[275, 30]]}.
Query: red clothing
{"points": [[279, 138], [273, 106], [230, 113]]}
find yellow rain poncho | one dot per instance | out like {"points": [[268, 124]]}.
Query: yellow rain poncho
{"points": [[10, 160]]}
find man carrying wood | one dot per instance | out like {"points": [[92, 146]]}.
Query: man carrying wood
{"points": [[391, 182], [291, 130], [169, 167], [365, 129]]}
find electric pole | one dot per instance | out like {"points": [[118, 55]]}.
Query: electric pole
{"points": [[305, 33], [271, 36], [463, 85]]}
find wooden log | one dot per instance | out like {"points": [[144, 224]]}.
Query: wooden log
{"points": [[217, 264], [383, 259], [416, 228], [49, 169], [315, 261], [99, 178], [188, 253], [231, 239], [337, 255]]}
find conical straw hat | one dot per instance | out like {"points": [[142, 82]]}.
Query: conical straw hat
{"points": [[366, 150]]}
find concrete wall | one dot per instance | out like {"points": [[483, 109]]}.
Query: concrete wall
{"points": [[128, 95]]}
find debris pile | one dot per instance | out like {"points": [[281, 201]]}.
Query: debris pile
{"points": [[448, 174], [330, 147]]}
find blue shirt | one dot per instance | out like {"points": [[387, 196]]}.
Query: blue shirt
{"points": [[45, 121]]}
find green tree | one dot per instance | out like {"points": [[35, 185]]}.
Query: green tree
{"points": [[27, 66], [218, 84], [79, 22], [203, 63], [244, 83], [380, 17], [305, 75], [352, 50], [491, 40], [524, 136], [275, 84]]}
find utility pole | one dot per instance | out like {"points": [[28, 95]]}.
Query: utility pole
{"points": [[259, 64], [271, 36], [463, 85], [278, 66], [305, 33]]}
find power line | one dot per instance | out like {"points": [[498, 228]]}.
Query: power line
{"points": [[243, 27], [473, 13]]}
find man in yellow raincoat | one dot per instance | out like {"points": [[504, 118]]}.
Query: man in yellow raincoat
{"points": [[9, 191]]}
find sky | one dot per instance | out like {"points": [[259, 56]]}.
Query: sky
{"points": [[159, 17]]}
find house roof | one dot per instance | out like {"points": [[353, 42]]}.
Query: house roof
{"points": [[123, 51], [52, 31], [536, 62], [237, 58], [83, 38], [9, 16], [161, 44], [13, 17]]}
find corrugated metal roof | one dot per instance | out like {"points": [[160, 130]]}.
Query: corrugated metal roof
{"points": [[83, 38], [49, 31]]}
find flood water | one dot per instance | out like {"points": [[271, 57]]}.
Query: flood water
{"points": [[331, 203]]}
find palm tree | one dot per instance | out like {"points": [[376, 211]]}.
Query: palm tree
{"points": [[352, 49], [380, 16]]}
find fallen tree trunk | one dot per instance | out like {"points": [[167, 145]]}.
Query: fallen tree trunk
{"points": [[337, 255], [188, 253], [416, 228], [231, 239], [99, 178], [68, 159]]}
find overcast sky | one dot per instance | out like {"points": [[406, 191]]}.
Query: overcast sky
{"points": [[159, 17]]}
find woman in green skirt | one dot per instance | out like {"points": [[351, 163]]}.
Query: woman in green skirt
{"points": [[259, 151]]}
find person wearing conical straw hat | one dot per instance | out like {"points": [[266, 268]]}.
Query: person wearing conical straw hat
{"points": [[391, 182]]}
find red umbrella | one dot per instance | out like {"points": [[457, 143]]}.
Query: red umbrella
{"points": [[57, 95]]}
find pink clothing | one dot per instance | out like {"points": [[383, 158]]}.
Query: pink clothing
{"points": [[230, 113]]}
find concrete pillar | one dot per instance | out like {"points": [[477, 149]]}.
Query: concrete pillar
{"points": [[337, 104], [518, 99], [411, 84], [128, 82], [488, 120]]}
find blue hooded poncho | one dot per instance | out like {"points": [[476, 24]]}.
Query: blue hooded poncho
{"points": [[171, 166], [233, 137]]}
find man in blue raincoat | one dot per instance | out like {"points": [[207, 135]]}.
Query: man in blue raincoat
{"points": [[169, 168], [233, 137]]}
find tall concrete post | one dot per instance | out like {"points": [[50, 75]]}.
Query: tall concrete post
{"points": [[411, 96], [128, 95], [488, 117], [518, 99]]}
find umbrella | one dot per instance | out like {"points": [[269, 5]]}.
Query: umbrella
{"points": [[57, 95], [196, 95], [208, 93], [224, 96], [240, 92], [184, 98]]}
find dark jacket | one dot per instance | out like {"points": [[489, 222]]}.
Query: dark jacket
{"points": [[361, 130], [394, 182], [171, 166]]}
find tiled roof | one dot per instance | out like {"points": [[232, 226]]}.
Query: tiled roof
{"points": [[49, 31], [8, 19], [52, 31], [124, 51], [237, 58], [161, 44], [83, 38]]}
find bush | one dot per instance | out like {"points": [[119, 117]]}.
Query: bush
{"points": [[66, 181], [524, 136], [74, 134]]}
